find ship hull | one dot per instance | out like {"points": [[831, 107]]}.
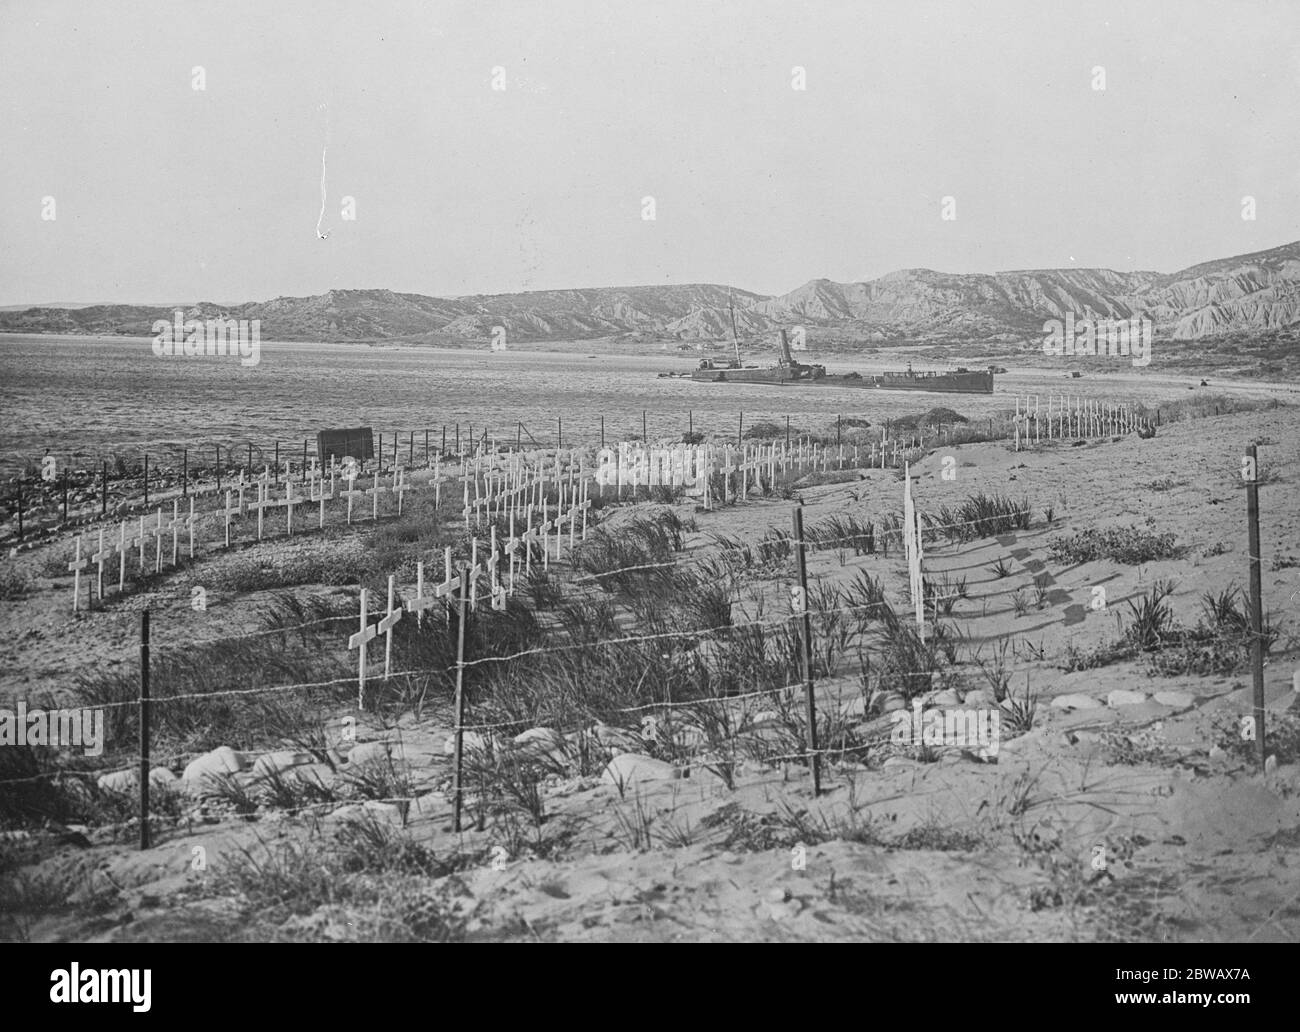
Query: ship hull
{"points": [[938, 383]]}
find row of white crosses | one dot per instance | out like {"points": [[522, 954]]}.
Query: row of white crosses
{"points": [[525, 481], [914, 549], [1068, 416], [126, 546], [479, 563]]}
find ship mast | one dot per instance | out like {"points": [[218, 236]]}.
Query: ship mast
{"points": [[735, 342]]}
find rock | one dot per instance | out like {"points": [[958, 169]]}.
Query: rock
{"points": [[768, 716], [628, 768], [1270, 764], [540, 737], [1075, 701], [687, 736], [1123, 697], [162, 777], [945, 699], [394, 812], [783, 911], [855, 707], [616, 739], [777, 894], [471, 741], [900, 761], [1178, 700], [370, 752], [313, 773], [1217, 753], [543, 743], [276, 762], [220, 761], [891, 701], [119, 781], [979, 697]]}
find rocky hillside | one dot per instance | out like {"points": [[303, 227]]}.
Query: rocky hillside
{"points": [[1248, 293]]}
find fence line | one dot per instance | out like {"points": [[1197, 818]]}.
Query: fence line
{"points": [[1065, 416]]}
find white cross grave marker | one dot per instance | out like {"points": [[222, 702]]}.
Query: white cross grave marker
{"points": [[386, 626], [76, 566], [98, 558], [358, 640]]}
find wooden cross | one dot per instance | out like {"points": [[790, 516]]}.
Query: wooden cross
{"points": [[157, 542], [474, 570], [374, 493], [351, 493], [140, 540], [263, 500], [358, 640], [231, 511], [121, 562], [421, 602], [189, 523], [387, 624], [727, 469], [242, 486], [581, 507], [449, 585], [399, 487], [511, 546], [289, 502], [99, 558], [175, 527], [76, 566], [545, 530]]}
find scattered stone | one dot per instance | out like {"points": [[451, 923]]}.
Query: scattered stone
{"points": [[855, 707], [979, 697], [277, 762], [543, 743], [471, 741], [900, 761], [891, 701], [1075, 701], [1178, 700], [628, 768], [768, 716], [945, 698], [783, 911], [1270, 764], [1124, 697], [220, 761], [162, 777], [119, 781], [777, 894], [616, 739], [1217, 752], [688, 736]]}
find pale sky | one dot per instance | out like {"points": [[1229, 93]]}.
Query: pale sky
{"points": [[165, 193]]}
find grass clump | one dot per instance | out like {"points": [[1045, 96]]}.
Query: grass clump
{"points": [[1128, 545]]}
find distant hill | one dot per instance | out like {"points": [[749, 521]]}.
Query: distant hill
{"points": [[1243, 294]]}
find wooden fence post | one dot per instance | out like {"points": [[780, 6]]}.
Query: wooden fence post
{"points": [[458, 775], [1250, 473], [144, 730], [801, 606]]}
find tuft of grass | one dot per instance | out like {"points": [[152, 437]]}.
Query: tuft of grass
{"points": [[1128, 545]]}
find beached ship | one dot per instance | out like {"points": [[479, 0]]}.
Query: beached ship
{"points": [[789, 372]]}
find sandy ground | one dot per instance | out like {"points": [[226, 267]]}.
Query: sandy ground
{"points": [[1199, 845]]}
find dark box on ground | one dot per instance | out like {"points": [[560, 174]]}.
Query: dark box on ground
{"points": [[359, 443]]}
